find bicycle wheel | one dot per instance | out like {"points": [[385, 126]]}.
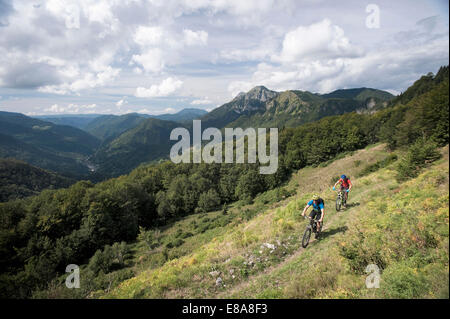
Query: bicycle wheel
{"points": [[338, 203], [306, 237]]}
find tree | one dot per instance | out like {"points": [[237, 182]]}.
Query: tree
{"points": [[209, 201]]}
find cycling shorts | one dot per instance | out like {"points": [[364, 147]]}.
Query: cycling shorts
{"points": [[315, 214]]}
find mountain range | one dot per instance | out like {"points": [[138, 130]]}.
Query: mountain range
{"points": [[101, 146]]}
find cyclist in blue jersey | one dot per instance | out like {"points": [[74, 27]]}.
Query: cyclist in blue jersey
{"points": [[318, 211]]}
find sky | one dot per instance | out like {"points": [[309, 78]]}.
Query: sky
{"points": [[161, 56]]}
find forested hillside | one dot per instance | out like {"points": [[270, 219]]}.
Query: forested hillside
{"points": [[85, 223], [79, 120], [18, 180], [62, 149]]}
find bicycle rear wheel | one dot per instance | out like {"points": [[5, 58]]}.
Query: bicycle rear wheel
{"points": [[306, 237]]}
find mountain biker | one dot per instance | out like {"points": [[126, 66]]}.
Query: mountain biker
{"points": [[318, 211], [346, 185]]}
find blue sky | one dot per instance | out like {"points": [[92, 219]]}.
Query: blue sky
{"points": [[160, 56]]}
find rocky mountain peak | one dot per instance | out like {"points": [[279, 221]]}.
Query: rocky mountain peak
{"points": [[253, 100]]}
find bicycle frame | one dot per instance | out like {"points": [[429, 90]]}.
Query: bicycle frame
{"points": [[313, 223]]}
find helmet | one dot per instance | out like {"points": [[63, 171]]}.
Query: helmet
{"points": [[343, 176], [315, 197]]}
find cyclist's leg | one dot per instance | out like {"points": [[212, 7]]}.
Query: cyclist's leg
{"points": [[344, 190], [312, 215], [318, 216]]}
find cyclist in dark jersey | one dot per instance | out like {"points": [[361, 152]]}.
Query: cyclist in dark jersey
{"points": [[346, 185], [318, 211]]}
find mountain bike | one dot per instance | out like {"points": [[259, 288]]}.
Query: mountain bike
{"points": [[311, 228], [340, 200]]}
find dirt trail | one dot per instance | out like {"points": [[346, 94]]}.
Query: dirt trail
{"points": [[254, 278]]}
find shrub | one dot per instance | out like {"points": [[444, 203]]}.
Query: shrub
{"points": [[209, 201], [177, 242], [403, 281], [378, 165], [112, 257], [150, 238], [248, 214], [419, 155]]}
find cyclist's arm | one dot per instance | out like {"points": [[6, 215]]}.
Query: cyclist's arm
{"points": [[337, 183], [321, 216], [305, 209], [322, 209], [350, 184]]}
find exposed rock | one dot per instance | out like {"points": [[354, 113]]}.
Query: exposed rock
{"points": [[219, 281], [268, 245], [253, 100], [214, 273]]}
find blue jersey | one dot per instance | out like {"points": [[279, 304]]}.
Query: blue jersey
{"points": [[315, 206]]}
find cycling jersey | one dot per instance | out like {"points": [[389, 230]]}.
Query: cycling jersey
{"points": [[345, 183], [316, 206]]}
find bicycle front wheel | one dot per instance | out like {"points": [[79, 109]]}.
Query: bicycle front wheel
{"points": [[306, 237], [338, 204]]}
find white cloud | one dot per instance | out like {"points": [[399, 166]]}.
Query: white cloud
{"points": [[235, 87], [246, 54], [195, 37], [318, 40], [70, 12], [169, 110], [121, 102], [204, 101], [166, 88], [55, 109], [152, 60], [71, 108], [80, 49], [145, 36], [89, 81]]}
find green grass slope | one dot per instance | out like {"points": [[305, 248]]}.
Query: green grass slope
{"points": [[255, 249]]}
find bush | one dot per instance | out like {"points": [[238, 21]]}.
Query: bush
{"points": [[378, 165], [209, 201], [403, 281], [176, 243], [248, 214], [150, 238], [419, 155]]}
